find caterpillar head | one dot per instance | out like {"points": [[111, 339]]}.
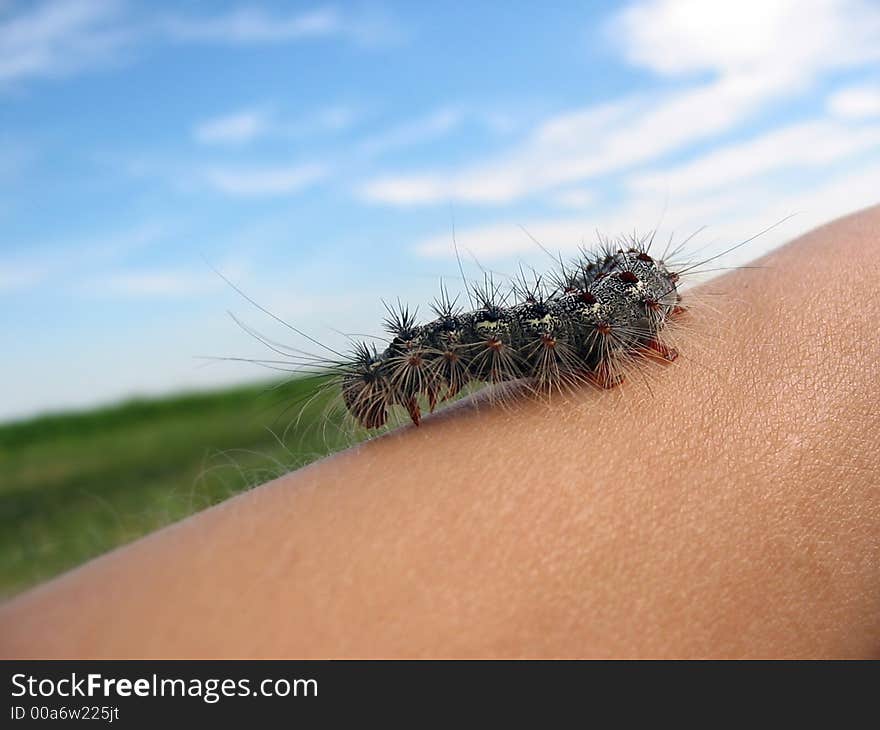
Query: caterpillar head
{"points": [[636, 297]]}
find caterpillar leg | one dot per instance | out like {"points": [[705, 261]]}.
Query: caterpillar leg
{"points": [[678, 310], [433, 396], [663, 352], [605, 378], [412, 407]]}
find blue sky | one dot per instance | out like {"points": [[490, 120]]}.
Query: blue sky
{"points": [[320, 155]]}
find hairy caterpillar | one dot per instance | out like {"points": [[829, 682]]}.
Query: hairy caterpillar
{"points": [[603, 307], [584, 322]]}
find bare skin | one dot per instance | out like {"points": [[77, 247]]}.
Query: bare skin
{"points": [[725, 505]]}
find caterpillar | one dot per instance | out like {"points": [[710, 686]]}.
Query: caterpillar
{"points": [[587, 321], [581, 323]]}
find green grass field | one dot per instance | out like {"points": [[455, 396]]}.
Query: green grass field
{"points": [[74, 486]]}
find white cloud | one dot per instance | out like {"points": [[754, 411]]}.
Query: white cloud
{"points": [[759, 53], [575, 198], [59, 37], [855, 102], [249, 26], [791, 38], [237, 128], [55, 38], [809, 144], [246, 125], [585, 143], [415, 132], [507, 238], [739, 189], [731, 214], [731, 217], [264, 181]]}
